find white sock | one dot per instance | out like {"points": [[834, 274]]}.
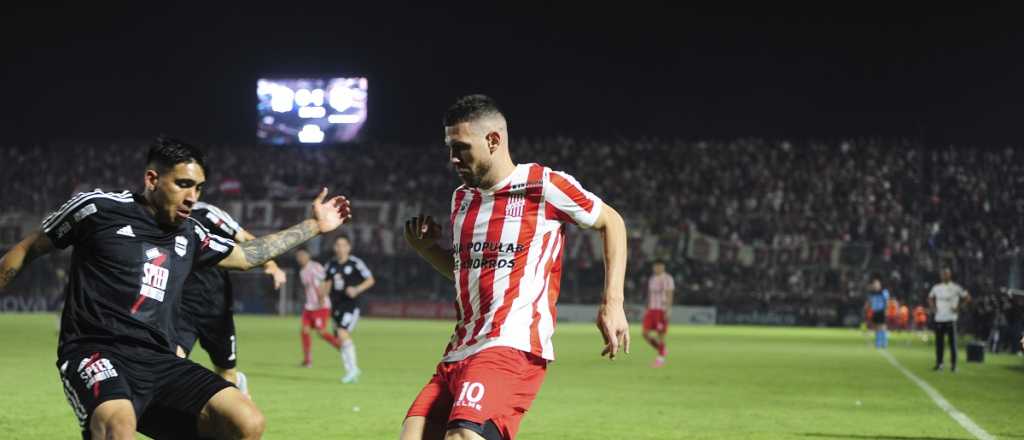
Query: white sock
{"points": [[348, 356]]}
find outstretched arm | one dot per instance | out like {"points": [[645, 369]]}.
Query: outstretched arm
{"points": [[611, 317], [31, 247], [270, 267], [328, 215], [422, 234]]}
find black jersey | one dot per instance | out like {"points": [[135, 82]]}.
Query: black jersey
{"points": [[341, 275], [207, 291], [127, 272]]}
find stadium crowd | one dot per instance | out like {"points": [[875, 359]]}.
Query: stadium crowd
{"points": [[913, 208]]}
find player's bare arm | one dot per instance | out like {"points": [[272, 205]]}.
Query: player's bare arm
{"points": [[422, 233], [31, 247], [669, 293], [611, 317], [270, 268], [328, 215], [354, 291]]}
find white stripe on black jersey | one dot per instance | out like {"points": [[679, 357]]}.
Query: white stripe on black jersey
{"points": [[216, 220], [71, 205]]}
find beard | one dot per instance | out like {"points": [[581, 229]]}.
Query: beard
{"points": [[473, 177]]}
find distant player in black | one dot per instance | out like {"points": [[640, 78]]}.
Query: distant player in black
{"points": [[347, 279], [206, 311], [132, 252]]}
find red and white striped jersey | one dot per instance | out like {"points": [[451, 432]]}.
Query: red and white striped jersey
{"points": [[508, 244], [312, 274], [656, 288]]}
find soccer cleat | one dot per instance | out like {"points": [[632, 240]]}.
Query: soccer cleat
{"points": [[243, 383], [952, 369], [658, 362], [937, 367], [306, 364], [352, 376]]}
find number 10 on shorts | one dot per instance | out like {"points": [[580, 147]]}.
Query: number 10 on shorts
{"points": [[471, 394]]}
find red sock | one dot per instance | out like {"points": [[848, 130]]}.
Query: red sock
{"points": [[661, 349], [306, 342], [333, 340]]}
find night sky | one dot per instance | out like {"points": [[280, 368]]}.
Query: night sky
{"points": [[939, 76]]}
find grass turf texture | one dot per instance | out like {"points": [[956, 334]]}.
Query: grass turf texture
{"points": [[719, 383]]}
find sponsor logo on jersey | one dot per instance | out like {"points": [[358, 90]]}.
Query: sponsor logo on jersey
{"points": [[88, 210], [126, 231], [180, 245], [154, 278], [348, 270]]}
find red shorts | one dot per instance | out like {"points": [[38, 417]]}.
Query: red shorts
{"points": [[316, 318], [497, 384], [655, 320]]}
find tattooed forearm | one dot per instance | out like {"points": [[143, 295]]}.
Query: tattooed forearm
{"points": [[263, 249], [6, 275]]}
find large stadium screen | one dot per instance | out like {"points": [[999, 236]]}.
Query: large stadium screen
{"points": [[310, 111]]}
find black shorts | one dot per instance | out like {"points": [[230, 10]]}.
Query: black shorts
{"points": [[346, 315], [167, 392], [215, 333], [878, 318]]}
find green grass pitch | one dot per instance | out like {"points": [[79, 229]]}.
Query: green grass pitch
{"points": [[720, 383]]}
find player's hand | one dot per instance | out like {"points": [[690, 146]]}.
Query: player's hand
{"points": [[421, 232], [331, 214], [611, 321], [351, 292], [279, 276]]}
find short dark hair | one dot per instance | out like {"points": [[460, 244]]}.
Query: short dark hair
{"points": [[166, 152], [876, 276], [343, 237], [470, 108]]}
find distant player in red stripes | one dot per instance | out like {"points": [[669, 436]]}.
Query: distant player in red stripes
{"points": [[659, 308], [317, 310], [508, 225]]}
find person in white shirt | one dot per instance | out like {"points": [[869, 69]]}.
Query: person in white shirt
{"points": [[945, 301]]}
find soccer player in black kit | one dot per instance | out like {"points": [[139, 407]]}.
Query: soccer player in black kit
{"points": [[132, 252], [206, 311], [348, 278]]}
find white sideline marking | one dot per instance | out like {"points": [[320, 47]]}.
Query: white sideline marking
{"points": [[960, 417]]}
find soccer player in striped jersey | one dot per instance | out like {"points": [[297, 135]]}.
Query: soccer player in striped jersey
{"points": [[317, 310], [659, 307], [508, 224], [132, 253], [207, 299]]}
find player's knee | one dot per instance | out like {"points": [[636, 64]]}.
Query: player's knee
{"points": [[117, 428], [251, 425]]}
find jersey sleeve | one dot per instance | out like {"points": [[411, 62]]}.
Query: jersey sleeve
{"points": [[210, 248], [363, 269], [219, 221], [671, 285], [318, 271], [76, 218], [932, 293], [567, 200]]}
